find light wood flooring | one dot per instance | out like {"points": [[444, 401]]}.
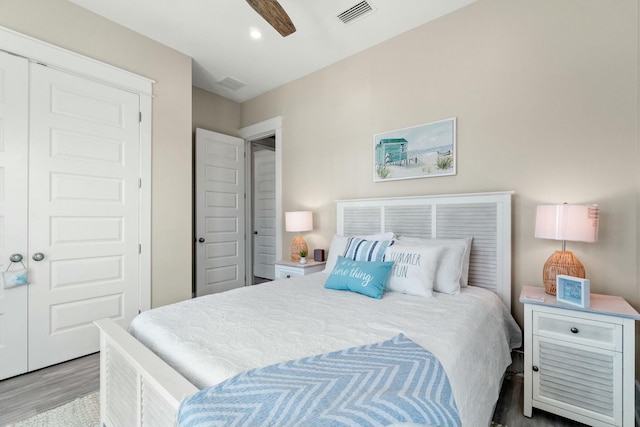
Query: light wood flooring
{"points": [[26, 395]]}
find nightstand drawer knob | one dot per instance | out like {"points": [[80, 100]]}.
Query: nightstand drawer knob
{"points": [[574, 330], [288, 276], [534, 368]]}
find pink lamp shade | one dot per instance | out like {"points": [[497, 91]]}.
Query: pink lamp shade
{"points": [[576, 223], [296, 222]]}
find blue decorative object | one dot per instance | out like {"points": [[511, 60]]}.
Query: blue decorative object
{"points": [[367, 278], [15, 278], [395, 381]]}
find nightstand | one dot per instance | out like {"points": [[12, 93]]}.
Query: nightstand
{"points": [[288, 269], [579, 362]]}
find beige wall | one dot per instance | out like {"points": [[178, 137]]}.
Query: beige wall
{"points": [[215, 113], [61, 23], [546, 99]]}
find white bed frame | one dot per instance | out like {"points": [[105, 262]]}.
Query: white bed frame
{"points": [[138, 388]]}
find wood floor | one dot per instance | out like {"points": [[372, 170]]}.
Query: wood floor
{"points": [[30, 394], [26, 395]]}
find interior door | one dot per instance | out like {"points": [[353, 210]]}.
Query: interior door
{"points": [[264, 213], [83, 212], [220, 212], [13, 209]]}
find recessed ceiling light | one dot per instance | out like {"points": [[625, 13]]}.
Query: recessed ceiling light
{"points": [[255, 34]]}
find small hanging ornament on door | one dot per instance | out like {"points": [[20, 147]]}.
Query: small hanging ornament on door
{"points": [[15, 278]]}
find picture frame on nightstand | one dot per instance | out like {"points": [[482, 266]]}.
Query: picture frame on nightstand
{"points": [[573, 290]]}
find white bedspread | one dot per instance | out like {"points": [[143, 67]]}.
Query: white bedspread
{"points": [[212, 338]]}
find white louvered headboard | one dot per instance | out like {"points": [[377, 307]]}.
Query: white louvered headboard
{"points": [[485, 216]]}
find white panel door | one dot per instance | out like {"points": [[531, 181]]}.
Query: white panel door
{"points": [[13, 209], [220, 212], [264, 214], [83, 212]]}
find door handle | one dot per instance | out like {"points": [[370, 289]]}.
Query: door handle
{"points": [[201, 240], [38, 256], [15, 258]]}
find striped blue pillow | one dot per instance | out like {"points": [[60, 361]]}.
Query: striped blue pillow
{"points": [[366, 250]]}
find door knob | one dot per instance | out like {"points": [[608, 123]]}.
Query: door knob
{"points": [[255, 232], [15, 258], [38, 256], [201, 240]]}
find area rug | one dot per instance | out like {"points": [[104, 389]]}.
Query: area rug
{"points": [[82, 412]]}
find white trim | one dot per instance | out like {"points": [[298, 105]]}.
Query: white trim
{"points": [[251, 133], [65, 60], [637, 402], [145, 202]]}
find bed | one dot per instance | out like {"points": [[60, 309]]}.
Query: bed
{"points": [[172, 352]]}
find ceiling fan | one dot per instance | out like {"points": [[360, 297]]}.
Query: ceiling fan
{"points": [[275, 15]]}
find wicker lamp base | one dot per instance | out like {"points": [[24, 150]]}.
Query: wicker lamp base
{"points": [[561, 262], [297, 244]]}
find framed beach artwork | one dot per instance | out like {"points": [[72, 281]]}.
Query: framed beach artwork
{"points": [[422, 151]]}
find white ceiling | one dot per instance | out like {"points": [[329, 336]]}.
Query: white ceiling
{"points": [[215, 33]]}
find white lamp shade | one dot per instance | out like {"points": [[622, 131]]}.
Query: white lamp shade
{"points": [[576, 223], [298, 221]]}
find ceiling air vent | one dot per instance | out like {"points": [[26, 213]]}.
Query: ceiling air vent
{"points": [[231, 83], [354, 12]]}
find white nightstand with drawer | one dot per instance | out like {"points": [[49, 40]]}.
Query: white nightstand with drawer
{"points": [[579, 362], [288, 269]]}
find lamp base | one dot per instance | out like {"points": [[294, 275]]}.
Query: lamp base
{"points": [[560, 262], [297, 244]]}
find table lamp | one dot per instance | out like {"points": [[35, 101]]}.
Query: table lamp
{"points": [[296, 222], [576, 223]]}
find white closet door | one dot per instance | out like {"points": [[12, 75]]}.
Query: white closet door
{"points": [[264, 214], [220, 212], [83, 212], [13, 209]]}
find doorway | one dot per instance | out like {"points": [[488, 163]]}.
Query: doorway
{"points": [[267, 136], [263, 208]]}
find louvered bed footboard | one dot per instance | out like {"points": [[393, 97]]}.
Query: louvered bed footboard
{"points": [[137, 388]]}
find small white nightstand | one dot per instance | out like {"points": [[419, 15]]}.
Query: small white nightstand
{"points": [[579, 362], [288, 269]]}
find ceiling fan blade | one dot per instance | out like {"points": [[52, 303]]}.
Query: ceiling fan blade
{"points": [[274, 14]]}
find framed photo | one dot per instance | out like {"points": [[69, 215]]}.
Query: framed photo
{"points": [[573, 290], [422, 151]]}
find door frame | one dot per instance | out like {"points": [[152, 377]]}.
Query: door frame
{"points": [[270, 127], [62, 59]]}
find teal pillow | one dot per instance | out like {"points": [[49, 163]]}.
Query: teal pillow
{"points": [[366, 278]]}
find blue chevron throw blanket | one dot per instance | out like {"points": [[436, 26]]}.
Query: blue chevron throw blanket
{"points": [[373, 385]]}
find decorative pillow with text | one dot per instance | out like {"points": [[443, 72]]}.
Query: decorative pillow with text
{"points": [[414, 268], [367, 278]]}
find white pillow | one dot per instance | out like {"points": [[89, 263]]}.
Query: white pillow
{"points": [[414, 268], [453, 266], [339, 244]]}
